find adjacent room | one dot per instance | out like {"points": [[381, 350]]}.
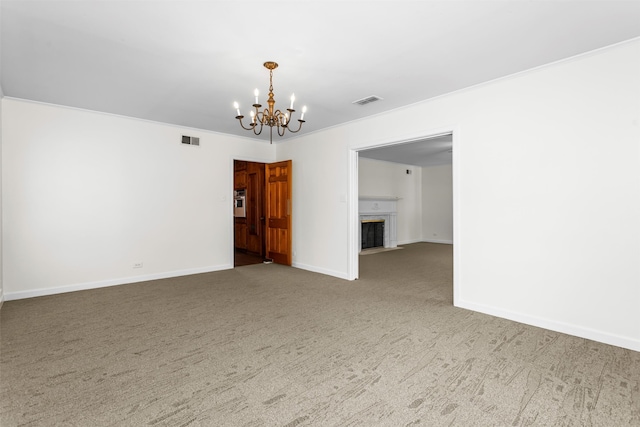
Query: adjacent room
{"points": [[356, 213]]}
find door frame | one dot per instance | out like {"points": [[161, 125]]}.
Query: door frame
{"points": [[353, 262], [230, 174]]}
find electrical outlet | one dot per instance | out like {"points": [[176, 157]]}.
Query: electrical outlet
{"points": [[137, 264]]}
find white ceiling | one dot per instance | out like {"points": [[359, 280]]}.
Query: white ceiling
{"points": [[186, 62], [425, 152]]}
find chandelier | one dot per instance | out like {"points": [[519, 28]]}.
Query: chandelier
{"points": [[268, 117]]}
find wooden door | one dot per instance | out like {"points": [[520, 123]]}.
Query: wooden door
{"points": [[278, 212]]}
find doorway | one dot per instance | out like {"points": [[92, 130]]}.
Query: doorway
{"points": [[440, 147], [249, 213], [262, 212]]}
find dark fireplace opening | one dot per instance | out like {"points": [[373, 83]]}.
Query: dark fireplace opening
{"points": [[372, 233]]}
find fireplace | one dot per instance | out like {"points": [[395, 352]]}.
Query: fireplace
{"points": [[372, 233], [381, 213]]}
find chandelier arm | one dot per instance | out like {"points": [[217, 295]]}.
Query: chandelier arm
{"points": [[240, 120], [299, 127], [265, 117], [290, 116], [256, 125], [278, 117]]}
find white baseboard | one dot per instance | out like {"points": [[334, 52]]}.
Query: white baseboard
{"points": [[338, 274], [565, 328], [446, 242], [10, 296], [408, 242]]}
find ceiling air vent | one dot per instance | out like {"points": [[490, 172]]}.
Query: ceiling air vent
{"points": [[367, 100]]}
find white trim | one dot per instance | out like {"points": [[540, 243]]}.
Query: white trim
{"points": [[138, 119], [565, 328], [444, 242], [457, 221], [478, 85], [353, 218], [388, 198], [410, 241], [314, 269], [406, 138], [10, 296], [290, 137], [232, 219]]}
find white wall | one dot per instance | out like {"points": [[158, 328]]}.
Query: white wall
{"points": [[87, 195], [546, 180], [437, 204], [1, 220], [378, 178], [319, 203], [1, 98], [546, 193]]}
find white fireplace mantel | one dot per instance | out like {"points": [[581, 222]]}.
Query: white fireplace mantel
{"points": [[381, 208]]}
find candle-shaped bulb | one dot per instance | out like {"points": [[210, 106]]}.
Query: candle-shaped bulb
{"points": [[256, 93], [253, 116], [304, 110], [237, 107], [293, 98]]}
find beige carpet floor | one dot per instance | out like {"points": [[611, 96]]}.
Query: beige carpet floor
{"points": [[267, 345]]}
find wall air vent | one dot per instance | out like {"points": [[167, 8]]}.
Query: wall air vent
{"points": [[367, 100], [190, 140]]}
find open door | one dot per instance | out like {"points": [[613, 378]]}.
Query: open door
{"points": [[278, 224]]}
